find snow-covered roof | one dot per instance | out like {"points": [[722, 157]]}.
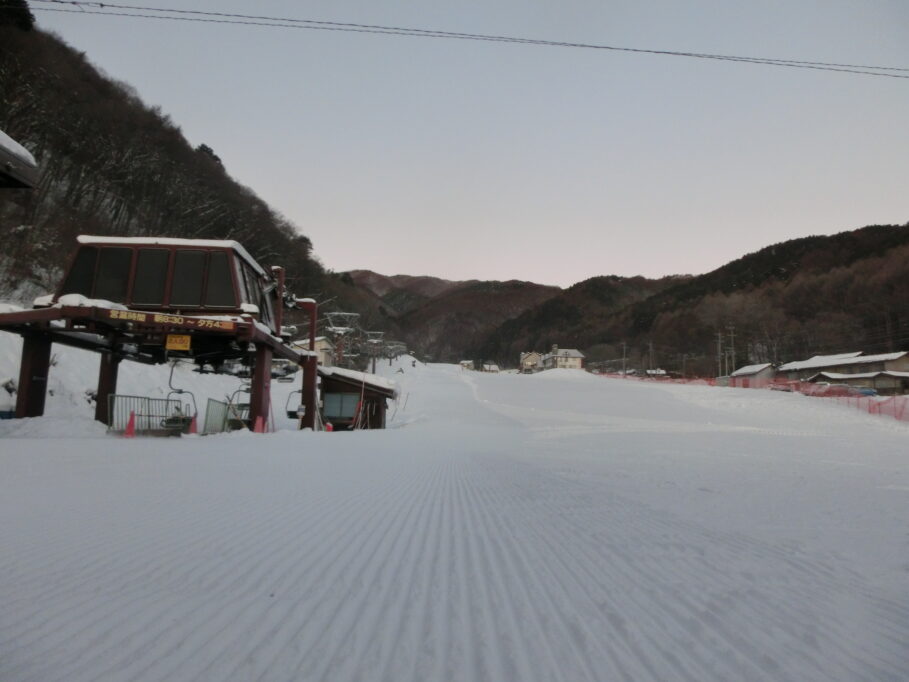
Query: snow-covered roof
{"points": [[360, 377], [750, 369], [21, 153], [304, 343], [839, 376], [172, 241], [836, 356], [565, 353], [819, 361], [80, 301]]}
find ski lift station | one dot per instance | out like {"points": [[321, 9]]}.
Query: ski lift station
{"points": [[155, 300]]}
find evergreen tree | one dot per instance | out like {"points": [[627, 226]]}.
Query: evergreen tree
{"points": [[209, 152], [16, 13]]}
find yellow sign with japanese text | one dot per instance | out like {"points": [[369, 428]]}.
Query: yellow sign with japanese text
{"points": [[178, 342]]}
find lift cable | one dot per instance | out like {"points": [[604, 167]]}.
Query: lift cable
{"points": [[139, 11]]}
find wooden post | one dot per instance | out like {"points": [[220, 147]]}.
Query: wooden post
{"points": [[310, 364], [33, 371], [278, 273], [107, 386], [260, 391]]}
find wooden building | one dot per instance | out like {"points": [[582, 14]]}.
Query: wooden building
{"points": [[845, 363], [354, 400], [752, 376], [324, 348], [884, 383]]}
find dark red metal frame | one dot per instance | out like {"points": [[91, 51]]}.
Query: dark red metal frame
{"points": [[113, 332]]}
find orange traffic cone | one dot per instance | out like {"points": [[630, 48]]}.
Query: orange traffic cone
{"points": [[130, 426], [329, 426], [260, 425]]}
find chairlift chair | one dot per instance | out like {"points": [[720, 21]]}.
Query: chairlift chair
{"points": [[237, 412], [295, 412], [180, 419]]}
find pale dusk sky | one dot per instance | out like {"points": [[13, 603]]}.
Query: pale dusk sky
{"points": [[489, 160]]}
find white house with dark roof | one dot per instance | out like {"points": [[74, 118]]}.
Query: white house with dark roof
{"points": [[563, 358]]}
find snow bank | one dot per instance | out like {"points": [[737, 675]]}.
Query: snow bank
{"points": [[562, 375], [80, 301]]}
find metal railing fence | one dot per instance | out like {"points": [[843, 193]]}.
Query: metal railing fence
{"points": [[151, 415]]}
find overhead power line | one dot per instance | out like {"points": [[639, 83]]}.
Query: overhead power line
{"points": [[199, 16]]}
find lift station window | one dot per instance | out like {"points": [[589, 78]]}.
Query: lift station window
{"points": [[186, 290], [82, 273], [340, 405], [151, 276], [249, 279], [112, 277], [219, 291]]}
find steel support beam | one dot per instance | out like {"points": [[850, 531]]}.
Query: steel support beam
{"points": [[260, 391], [33, 372], [107, 385]]}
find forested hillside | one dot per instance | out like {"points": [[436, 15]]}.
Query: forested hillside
{"points": [[440, 319], [111, 165], [446, 326], [574, 318], [844, 292]]}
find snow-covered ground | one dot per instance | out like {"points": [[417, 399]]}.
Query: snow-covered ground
{"points": [[549, 527]]}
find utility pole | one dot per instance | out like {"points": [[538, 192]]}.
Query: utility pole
{"points": [[719, 353], [308, 396], [732, 344]]}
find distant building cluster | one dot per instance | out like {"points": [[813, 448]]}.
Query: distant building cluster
{"points": [[883, 373], [556, 358]]}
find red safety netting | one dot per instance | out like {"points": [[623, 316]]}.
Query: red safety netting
{"points": [[896, 407]]}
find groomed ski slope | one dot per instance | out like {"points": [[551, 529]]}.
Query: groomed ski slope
{"points": [[549, 527]]}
